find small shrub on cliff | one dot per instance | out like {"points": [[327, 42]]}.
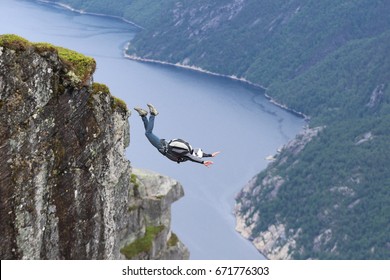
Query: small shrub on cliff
{"points": [[133, 180], [173, 240]]}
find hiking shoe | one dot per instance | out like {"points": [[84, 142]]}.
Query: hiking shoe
{"points": [[152, 110], [141, 112]]}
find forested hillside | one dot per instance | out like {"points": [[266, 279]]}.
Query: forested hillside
{"points": [[327, 59]]}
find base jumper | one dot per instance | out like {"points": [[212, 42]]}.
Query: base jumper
{"points": [[176, 150]]}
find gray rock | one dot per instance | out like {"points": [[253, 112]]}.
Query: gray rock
{"points": [[66, 190]]}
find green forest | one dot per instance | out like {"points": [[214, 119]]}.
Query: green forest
{"points": [[327, 59]]}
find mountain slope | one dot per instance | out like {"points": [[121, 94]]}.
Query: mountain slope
{"points": [[327, 59]]}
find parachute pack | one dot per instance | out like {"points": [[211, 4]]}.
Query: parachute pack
{"points": [[176, 149]]}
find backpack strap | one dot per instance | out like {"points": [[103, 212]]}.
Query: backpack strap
{"points": [[164, 147]]}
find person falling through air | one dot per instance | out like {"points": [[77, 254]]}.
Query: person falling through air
{"points": [[177, 150]]}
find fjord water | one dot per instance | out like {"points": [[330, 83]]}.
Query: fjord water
{"points": [[217, 114]]}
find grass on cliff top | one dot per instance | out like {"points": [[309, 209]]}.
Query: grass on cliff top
{"points": [[116, 102], [14, 42], [82, 66], [143, 244]]}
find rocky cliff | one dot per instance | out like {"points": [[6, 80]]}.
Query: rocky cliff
{"points": [[67, 190], [276, 240]]}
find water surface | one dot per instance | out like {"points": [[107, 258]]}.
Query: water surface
{"points": [[211, 112]]}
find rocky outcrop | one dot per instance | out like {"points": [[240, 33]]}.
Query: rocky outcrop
{"points": [[274, 242], [66, 187], [376, 96], [153, 195]]}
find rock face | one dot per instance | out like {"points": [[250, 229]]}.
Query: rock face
{"points": [[275, 242], [153, 195], [66, 188]]}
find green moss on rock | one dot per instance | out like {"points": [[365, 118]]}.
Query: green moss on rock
{"points": [[143, 244], [81, 67], [173, 240], [14, 42], [45, 47], [134, 182], [119, 103], [116, 102], [98, 88]]}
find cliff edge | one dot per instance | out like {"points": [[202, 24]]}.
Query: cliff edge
{"points": [[66, 189]]}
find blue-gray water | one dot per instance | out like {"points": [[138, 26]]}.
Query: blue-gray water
{"points": [[214, 113]]}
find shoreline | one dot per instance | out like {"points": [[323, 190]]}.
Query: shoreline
{"points": [[232, 77], [178, 65], [245, 232], [70, 8], [189, 67]]}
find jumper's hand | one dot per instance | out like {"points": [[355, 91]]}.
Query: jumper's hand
{"points": [[215, 154], [207, 163]]}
